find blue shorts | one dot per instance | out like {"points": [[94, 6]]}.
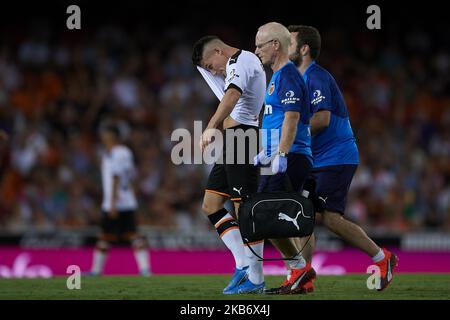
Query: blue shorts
{"points": [[332, 185], [298, 169]]}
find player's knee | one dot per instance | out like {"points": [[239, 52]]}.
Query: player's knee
{"points": [[208, 208], [102, 245]]}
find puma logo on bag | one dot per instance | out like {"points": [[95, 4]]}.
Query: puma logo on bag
{"points": [[283, 216]]}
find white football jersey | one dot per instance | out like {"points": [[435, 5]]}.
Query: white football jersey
{"points": [[119, 162], [245, 73]]}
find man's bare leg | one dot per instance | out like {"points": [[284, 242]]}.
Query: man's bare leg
{"points": [[350, 232], [357, 237], [307, 245]]}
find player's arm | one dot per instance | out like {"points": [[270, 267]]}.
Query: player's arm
{"points": [[321, 104], [292, 88], [319, 121], [288, 133], [288, 130], [225, 107]]}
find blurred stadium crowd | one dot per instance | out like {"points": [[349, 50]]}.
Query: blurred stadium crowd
{"points": [[55, 89]]}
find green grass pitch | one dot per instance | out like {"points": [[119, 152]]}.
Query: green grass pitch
{"points": [[404, 286]]}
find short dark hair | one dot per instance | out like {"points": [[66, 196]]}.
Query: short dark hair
{"points": [[310, 36], [111, 128], [199, 47]]}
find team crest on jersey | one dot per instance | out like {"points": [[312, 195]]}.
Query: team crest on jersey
{"points": [[231, 76], [271, 88]]}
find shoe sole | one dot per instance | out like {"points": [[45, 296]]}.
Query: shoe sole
{"points": [[393, 262], [257, 291], [272, 291], [254, 291], [304, 291], [310, 275]]}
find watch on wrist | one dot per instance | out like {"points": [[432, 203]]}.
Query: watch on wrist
{"points": [[282, 154]]}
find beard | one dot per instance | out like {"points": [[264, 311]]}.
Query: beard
{"points": [[296, 58]]}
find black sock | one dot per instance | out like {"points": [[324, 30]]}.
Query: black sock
{"points": [[216, 216]]}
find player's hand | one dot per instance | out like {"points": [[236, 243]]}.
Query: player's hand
{"points": [[206, 138], [279, 164], [113, 214], [261, 159]]}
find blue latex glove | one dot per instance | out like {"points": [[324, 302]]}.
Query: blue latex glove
{"points": [[279, 164], [261, 159]]}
